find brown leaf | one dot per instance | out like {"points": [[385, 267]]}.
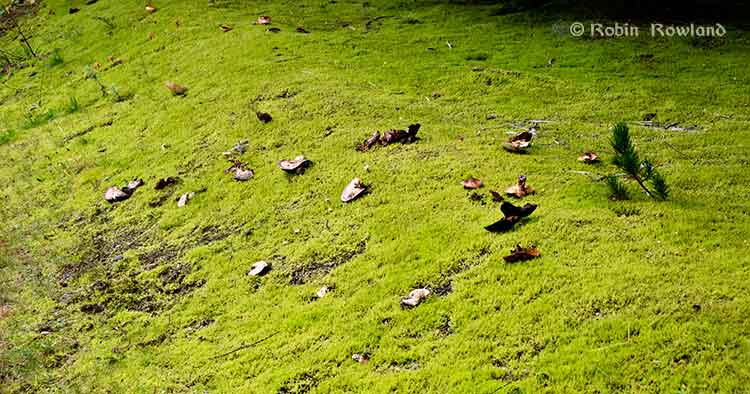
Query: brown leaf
{"points": [[472, 183], [264, 117], [177, 90], [263, 20], [522, 254], [273, 30], [589, 157], [503, 224], [354, 189], [520, 189]]}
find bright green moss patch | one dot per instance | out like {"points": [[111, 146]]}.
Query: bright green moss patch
{"points": [[142, 296]]}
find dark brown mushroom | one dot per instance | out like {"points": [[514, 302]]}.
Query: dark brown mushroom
{"points": [[370, 142], [264, 117], [522, 254], [513, 215], [496, 197]]}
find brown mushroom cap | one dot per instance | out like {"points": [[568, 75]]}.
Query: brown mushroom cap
{"points": [[354, 189], [589, 157], [472, 183]]}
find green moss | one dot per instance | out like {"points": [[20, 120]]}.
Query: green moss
{"points": [[143, 296]]}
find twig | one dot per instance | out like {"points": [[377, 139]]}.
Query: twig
{"points": [[243, 347]]}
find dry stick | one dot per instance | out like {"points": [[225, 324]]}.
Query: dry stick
{"points": [[243, 347]]}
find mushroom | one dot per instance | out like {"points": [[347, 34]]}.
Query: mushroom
{"points": [[264, 117], [354, 189], [513, 215], [259, 269], [522, 254], [177, 90], [415, 298], [263, 20], [183, 200], [296, 166], [150, 8], [520, 189], [519, 142], [115, 194], [589, 157], [242, 174], [370, 142], [472, 183]]}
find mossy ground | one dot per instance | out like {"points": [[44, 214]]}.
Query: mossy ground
{"points": [[633, 296]]}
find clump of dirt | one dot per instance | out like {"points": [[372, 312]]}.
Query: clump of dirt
{"points": [[446, 327], [321, 268]]}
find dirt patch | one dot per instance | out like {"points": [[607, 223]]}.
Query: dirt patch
{"points": [[17, 12], [317, 269], [302, 383], [446, 327], [101, 250]]}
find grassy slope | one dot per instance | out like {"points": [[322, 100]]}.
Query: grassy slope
{"points": [[608, 308]]}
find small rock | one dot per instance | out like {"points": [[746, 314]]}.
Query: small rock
{"points": [[150, 8], [415, 298], [259, 269]]}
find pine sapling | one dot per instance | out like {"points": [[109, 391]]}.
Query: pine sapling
{"points": [[642, 171]]}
